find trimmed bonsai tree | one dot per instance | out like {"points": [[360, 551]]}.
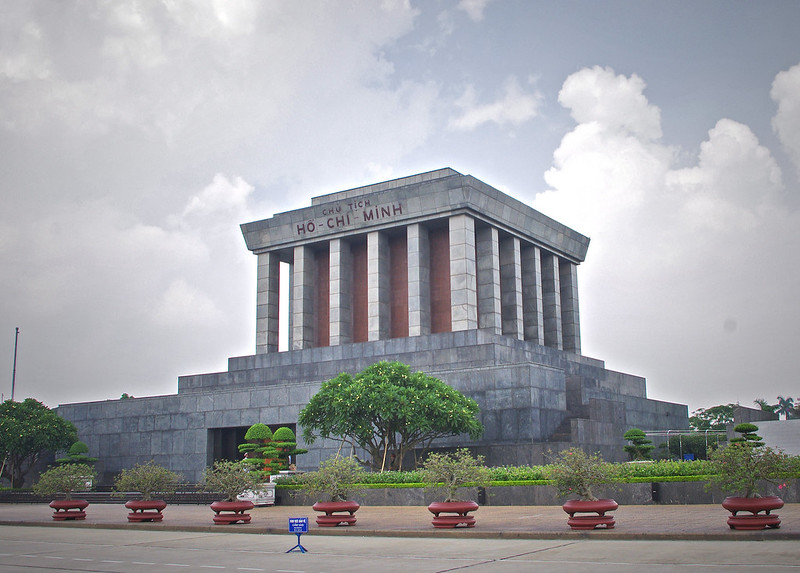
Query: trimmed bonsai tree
{"points": [[574, 472], [746, 465], [148, 479], [335, 480], [285, 443], [639, 447], [77, 455], [453, 471], [229, 478], [65, 478], [259, 451], [747, 435]]}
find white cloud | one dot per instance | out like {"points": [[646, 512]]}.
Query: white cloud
{"points": [[514, 106], [473, 8], [615, 102], [677, 255]]}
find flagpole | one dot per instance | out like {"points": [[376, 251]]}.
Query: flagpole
{"points": [[14, 371]]}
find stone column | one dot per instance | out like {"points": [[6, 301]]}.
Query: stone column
{"points": [[570, 316], [303, 298], [511, 287], [267, 303], [488, 266], [341, 312], [463, 271], [378, 301], [551, 299], [419, 281], [532, 309]]}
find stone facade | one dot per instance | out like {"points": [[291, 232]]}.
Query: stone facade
{"points": [[437, 270]]}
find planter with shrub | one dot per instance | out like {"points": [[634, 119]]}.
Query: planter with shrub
{"points": [[334, 482], [66, 479], [148, 479], [453, 471], [231, 479], [574, 472], [744, 467]]}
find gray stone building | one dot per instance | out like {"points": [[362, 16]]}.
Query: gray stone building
{"points": [[438, 270]]}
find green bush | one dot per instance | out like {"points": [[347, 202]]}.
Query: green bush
{"points": [[65, 478], [148, 479]]}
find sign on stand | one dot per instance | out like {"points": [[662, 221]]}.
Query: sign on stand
{"points": [[298, 526]]}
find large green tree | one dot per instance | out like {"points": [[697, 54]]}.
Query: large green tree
{"points": [[388, 411], [714, 418], [27, 429]]}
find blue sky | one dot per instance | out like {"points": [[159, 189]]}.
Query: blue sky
{"points": [[136, 136]]}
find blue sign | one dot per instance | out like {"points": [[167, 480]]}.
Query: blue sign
{"points": [[298, 525]]}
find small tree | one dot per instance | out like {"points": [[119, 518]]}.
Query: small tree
{"points": [[748, 435], [388, 411], [574, 472], [454, 471], [148, 479], [259, 451], [285, 444], [77, 455], [229, 478], [714, 418], [27, 429], [336, 479], [639, 447], [65, 478]]}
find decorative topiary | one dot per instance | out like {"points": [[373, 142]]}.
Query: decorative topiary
{"points": [[77, 455], [259, 451], [639, 447], [65, 478], [148, 479], [453, 471], [748, 434], [285, 444]]}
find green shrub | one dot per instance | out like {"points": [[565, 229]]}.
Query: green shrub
{"points": [[65, 478], [454, 470], [148, 479]]}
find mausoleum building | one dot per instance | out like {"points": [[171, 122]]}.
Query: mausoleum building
{"points": [[438, 270]]}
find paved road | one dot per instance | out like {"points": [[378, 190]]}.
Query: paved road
{"points": [[40, 549]]}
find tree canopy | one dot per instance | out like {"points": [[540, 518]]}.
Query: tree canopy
{"points": [[27, 429], [714, 418], [388, 411]]}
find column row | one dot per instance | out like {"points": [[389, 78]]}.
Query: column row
{"points": [[421, 281]]}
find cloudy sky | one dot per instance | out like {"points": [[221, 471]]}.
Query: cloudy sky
{"points": [[136, 136]]}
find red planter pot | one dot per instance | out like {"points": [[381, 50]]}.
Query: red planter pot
{"points": [[69, 509], [458, 514], [336, 513], [753, 506], [149, 510], [228, 512], [598, 507]]}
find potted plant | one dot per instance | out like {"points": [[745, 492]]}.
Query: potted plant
{"points": [[640, 447], [66, 478], [744, 467], [231, 479], [335, 481], [77, 455], [148, 479], [574, 472], [453, 471]]}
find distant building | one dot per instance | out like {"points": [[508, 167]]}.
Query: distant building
{"points": [[438, 270]]}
